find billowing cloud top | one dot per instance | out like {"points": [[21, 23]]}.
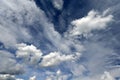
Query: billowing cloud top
{"points": [[93, 21]]}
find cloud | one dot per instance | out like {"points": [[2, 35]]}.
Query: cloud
{"points": [[15, 19], [8, 77], [33, 56], [93, 21], [58, 4], [8, 64], [94, 57], [29, 53], [107, 76], [103, 76], [61, 43], [11, 33], [58, 75], [33, 78], [55, 58], [98, 54], [78, 70]]}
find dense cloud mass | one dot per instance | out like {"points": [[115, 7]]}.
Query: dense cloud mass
{"points": [[93, 21], [8, 64], [59, 40], [55, 58], [29, 53]]}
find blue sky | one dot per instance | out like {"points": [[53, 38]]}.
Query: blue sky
{"points": [[59, 40]]}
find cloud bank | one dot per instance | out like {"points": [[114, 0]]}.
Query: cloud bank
{"points": [[64, 57]]}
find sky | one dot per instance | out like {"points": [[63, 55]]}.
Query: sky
{"points": [[59, 40]]}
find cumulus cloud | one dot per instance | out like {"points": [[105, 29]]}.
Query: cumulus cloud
{"points": [[29, 53], [8, 64], [55, 58], [8, 77], [93, 21], [19, 14]]}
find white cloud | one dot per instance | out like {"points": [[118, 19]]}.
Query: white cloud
{"points": [[22, 13], [15, 17], [60, 43], [93, 21], [29, 53], [19, 79], [103, 76], [107, 76], [8, 77], [55, 58], [11, 33], [33, 78], [115, 72], [33, 56], [58, 75], [78, 70], [8, 64], [58, 4]]}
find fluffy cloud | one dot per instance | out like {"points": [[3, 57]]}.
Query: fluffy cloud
{"points": [[8, 64], [19, 14], [29, 53], [93, 21], [8, 77], [55, 58]]}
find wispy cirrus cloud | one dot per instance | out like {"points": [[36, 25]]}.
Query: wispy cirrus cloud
{"points": [[58, 4]]}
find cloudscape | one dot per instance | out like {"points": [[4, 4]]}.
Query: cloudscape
{"points": [[59, 40]]}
